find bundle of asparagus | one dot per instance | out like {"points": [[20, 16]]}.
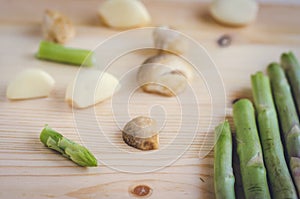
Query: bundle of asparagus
{"points": [[249, 150], [281, 184]]}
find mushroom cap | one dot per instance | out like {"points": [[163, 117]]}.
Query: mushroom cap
{"points": [[141, 127], [141, 133], [165, 74]]}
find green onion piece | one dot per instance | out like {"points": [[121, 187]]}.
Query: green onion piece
{"points": [[58, 53]]}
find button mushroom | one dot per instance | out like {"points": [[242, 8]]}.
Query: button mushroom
{"points": [[164, 74], [141, 133]]}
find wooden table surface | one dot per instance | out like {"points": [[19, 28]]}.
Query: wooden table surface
{"points": [[29, 170]]}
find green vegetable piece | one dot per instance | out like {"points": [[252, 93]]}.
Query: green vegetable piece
{"points": [[223, 172], [288, 117], [281, 184], [249, 150], [292, 69], [77, 153], [58, 53]]}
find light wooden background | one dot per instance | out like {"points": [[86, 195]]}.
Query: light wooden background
{"points": [[29, 170]]}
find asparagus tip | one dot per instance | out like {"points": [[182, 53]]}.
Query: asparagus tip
{"points": [[76, 152]]}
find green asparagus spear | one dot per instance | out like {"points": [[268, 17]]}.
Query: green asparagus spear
{"points": [[223, 172], [286, 109], [253, 171], [281, 184], [77, 153], [292, 69], [58, 53], [288, 117]]}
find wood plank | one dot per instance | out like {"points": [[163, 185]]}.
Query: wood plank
{"points": [[29, 170]]}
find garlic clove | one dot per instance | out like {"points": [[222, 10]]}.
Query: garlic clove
{"points": [[234, 12], [124, 14], [91, 87], [31, 83]]}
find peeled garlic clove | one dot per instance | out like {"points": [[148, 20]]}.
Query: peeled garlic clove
{"points": [[169, 40], [141, 133], [234, 12], [31, 83], [57, 27], [91, 87], [164, 74], [124, 14]]}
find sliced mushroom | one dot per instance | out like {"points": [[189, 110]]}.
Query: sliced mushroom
{"points": [[57, 27], [164, 74], [169, 40], [141, 133]]}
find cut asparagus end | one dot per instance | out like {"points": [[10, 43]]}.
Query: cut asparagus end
{"points": [[291, 67], [31, 83], [260, 94], [58, 53], [289, 60]]}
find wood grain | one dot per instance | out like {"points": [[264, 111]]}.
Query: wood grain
{"points": [[29, 170]]}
